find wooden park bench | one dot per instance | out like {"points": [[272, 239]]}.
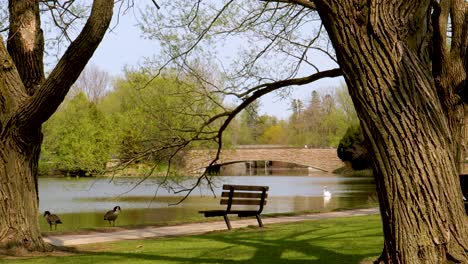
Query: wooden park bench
{"points": [[235, 196]]}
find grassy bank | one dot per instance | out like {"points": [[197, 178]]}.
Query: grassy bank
{"points": [[341, 240]]}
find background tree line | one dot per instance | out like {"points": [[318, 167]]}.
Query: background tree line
{"points": [[103, 119]]}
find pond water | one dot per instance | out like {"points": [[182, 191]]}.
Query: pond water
{"points": [[82, 202]]}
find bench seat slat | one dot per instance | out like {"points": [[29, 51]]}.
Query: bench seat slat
{"points": [[243, 202], [244, 195], [246, 213], [245, 187], [211, 213]]}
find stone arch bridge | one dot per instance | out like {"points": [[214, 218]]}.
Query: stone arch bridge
{"points": [[196, 161]]}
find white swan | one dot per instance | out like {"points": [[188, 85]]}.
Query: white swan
{"points": [[326, 192]]}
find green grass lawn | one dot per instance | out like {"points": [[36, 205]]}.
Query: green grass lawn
{"points": [[341, 240]]}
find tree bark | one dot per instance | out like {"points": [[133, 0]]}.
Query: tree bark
{"points": [[19, 229], [27, 100], [411, 123]]}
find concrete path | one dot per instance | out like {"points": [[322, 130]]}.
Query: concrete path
{"points": [[189, 229]]}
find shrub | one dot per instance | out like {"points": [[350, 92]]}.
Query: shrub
{"points": [[352, 149]]}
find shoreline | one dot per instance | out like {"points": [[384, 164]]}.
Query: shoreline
{"points": [[192, 228], [86, 231]]}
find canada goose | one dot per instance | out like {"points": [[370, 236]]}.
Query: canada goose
{"points": [[112, 215], [326, 192], [52, 219]]}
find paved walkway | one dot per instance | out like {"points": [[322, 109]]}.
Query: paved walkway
{"points": [[189, 229]]}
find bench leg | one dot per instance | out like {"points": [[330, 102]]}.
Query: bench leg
{"points": [[260, 223], [226, 219]]}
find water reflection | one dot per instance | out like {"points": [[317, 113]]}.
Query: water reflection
{"points": [[82, 202]]}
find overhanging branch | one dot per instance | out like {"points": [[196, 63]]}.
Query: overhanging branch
{"points": [[257, 92], [266, 88]]}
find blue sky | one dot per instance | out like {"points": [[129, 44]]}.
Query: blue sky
{"points": [[124, 46]]}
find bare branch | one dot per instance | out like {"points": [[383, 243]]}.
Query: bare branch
{"points": [[155, 4]]}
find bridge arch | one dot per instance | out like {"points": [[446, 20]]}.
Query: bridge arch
{"points": [[196, 161]]}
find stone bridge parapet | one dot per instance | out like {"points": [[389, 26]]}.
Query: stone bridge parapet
{"points": [[197, 160]]}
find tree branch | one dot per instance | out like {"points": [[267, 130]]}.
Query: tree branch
{"points": [[457, 9], [263, 89], [304, 3], [439, 40], [52, 92], [464, 44], [259, 92], [25, 42]]}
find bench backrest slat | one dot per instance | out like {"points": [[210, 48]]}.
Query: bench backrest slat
{"points": [[245, 195], [245, 187], [243, 202]]}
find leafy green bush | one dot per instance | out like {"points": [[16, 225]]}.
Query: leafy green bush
{"points": [[352, 149]]}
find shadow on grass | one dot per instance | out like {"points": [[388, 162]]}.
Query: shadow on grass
{"points": [[321, 243]]}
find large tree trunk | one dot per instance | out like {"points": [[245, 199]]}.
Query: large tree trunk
{"points": [[27, 100], [19, 155], [19, 229], [382, 48]]}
